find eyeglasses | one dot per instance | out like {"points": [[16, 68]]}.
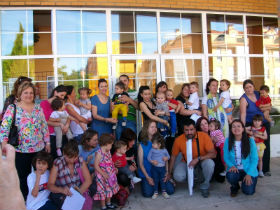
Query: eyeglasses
{"points": [[23, 79]]}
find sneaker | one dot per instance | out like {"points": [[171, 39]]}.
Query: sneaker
{"points": [[124, 123], [261, 175], [267, 173], [223, 173], [204, 193], [110, 206], [58, 152], [272, 123], [172, 135], [165, 195], [114, 127], [155, 195], [136, 179], [103, 208]]}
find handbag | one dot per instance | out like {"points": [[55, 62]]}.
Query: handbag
{"points": [[88, 199], [13, 135]]}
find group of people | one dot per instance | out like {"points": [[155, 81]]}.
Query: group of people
{"points": [[90, 144]]}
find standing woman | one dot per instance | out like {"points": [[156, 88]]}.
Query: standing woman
{"points": [[248, 109], [32, 131], [58, 92], [75, 112], [241, 157], [101, 110], [210, 101]]}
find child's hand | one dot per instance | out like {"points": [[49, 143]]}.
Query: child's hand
{"points": [[165, 159], [215, 109], [89, 158], [66, 191], [130, 158], [154, 162], [38, 174]]}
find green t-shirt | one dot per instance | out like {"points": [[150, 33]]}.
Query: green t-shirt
{"points": [[131, 115]]}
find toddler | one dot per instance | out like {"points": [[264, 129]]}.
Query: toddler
{"points": [[105, 173], [193, 102], [218, 139], [120, 157], [265, 100], [118, 105], [225, 100], [162, 111], [60, 115], [37, 182], [158, 157], [85, 105], [174, 108], [258, 132]]}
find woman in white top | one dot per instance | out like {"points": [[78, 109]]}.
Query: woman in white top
{"points": [[74, 111]]}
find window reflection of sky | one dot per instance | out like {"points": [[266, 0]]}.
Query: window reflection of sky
{"points": [[69, 43], [68, 20], [146, 23], [70, 64], [7, 42], [170, 23], [94, 21]]}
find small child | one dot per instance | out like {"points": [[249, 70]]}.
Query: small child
{"points": [[174, 108], [120, 157], [105, 172], [60, 115], [263, 101], [118, 105], [158, 157], [258, 132], [84, 105], [218, 139], [225, 100], [162, 111], [37, 182], [193, 102]]}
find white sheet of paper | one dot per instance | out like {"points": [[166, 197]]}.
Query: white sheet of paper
{"points": [[190, 170], [76, 201]]}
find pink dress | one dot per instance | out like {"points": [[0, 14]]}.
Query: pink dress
{"points": [[106, 188]]}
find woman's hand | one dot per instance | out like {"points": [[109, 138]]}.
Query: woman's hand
{"points": [[233, 169], [132, 168], [150, 181], [154, 162], [167, 177], [165, 159], [248, 180], [111, 120], [66, 191], [105, 175]]}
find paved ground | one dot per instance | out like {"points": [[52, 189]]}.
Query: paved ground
{"points": [[267, 197]]}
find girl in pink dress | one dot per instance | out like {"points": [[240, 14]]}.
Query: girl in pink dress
{"points": [[105, 170]]}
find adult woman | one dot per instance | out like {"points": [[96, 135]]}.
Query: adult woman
{"points": [[101, 110], [58, 92], [202, 124], [32, 130], [144, 171], [75, 112], [147, 106], [184, 112], [65, 172], [241, 157], [248, 109], [161, 87], [210, 101]]}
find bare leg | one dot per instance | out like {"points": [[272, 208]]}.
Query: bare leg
{"points": [[84, 126], [229, 117], [266, 116]]}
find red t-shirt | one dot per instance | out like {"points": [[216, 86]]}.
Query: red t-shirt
{"points": [[47, 110], [172, 101], [261, 130], [263, 100], [122, 159]]}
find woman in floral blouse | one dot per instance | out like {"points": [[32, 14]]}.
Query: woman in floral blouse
{"points": [[32, 130]]}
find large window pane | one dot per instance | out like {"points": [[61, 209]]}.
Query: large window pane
{"points": [[39, 21], [122, 22], [216, 23], [14, 44], [191, 23], [192, 43], [254, 25], [234, 24], [146, 22], [69, 43], [272, 74], [70, 68], [146, 43], [171, 43], [235, 44], [170, 22], [40, 69], [94, 43], [270, 26], [216, 43], [40, 44], [12, 69], [94, 20], [271, 44], [123, 43], [255, 44], [68, 20], [13, 21]]}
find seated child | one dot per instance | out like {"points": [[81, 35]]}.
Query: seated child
{"points": [[158, 157], [258, 132], [174, 108], [120, 159], [162, 111], [37, 182], [263, 101], [60, 115], [84, 105], [118, 105], [193, 102], [218, 139]]}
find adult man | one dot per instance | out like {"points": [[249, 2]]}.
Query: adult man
{"points": [[131, 115], [206, 151]]}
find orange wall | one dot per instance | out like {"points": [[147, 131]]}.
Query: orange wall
{"points": [[252, 6]]}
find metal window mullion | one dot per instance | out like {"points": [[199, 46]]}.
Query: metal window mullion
{"points": [[205, 60], [161, 72], [54, 41], [111, 76]]}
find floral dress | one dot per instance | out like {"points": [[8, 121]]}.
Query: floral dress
{"points": [[106, 188]]}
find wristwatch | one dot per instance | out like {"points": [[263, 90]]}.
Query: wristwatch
{"points": [[198, 158]]}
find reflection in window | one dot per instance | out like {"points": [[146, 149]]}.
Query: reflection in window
{"points": [[94, 43], [191, 23], [234, 25], [146, 43], [13, 69], [70, 68], [272, 74], [14, 44], [94, 21], [192, 43], [254, 25], [39, 69], [122, 22], [170, 22], [69, 43], [171, 43], [216, 23], [13, 21], [145, 22], [68, 21], [123, 43]]}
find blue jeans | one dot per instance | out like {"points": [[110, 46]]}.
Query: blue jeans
{"points": [[158, 174], [234, 178], [129, 124], [78, 138], [173, 123], [148, 190], [49, 205]]}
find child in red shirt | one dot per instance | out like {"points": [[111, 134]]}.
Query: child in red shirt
{"points": [[264, 100], [174, 107], [119, 158]]}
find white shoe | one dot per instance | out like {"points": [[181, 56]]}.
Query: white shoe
{"points": [[165, 195], [124, 123], [136, 179], [114, 127], [223, 173], [261, 175], [155, 195]]}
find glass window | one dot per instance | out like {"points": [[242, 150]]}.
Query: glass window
{"points": [[122, 22], [68, 21], [272, 72], [39, 21], [40, 69], [170, 22], [14, 44], [235, 44], [192, 43], [94, 21], [216, 43], [13, 21], [123, 43], [146, 22], [271, 44], [216, 23], [270, 26], [234, 25], [94, 43], [12, 69], [146, 43], [40, 43], [254, 25], [171, 43], [255, 44], [69, 43], [191, 23]]}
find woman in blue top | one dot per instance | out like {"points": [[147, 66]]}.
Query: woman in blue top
{"points": [[144, 170], [101, 110], [241, 158], [248, 109]]}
